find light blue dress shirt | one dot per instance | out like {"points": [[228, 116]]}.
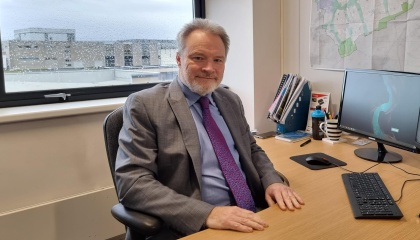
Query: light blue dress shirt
{"points": [[214, 186]]}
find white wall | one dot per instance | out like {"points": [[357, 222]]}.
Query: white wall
{"points": [[268, 38], [295, 58], [239, 70], [55, 181], [253, 68]]}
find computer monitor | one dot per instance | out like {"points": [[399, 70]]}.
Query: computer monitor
{"points": [[382, 106]]}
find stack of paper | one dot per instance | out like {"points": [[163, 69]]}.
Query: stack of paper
{"points": [[290, 87]]}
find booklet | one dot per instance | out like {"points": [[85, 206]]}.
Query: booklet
{"points": [[294, 136]]}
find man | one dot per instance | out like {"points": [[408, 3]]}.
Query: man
{"points": [[167, 165]]}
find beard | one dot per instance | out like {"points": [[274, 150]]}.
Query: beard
{"points": [[202, 87]]}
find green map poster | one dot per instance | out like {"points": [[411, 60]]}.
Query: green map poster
{"points": [[367, 34]]}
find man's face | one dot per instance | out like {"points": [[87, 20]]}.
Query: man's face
{"points": [[202, 63]]}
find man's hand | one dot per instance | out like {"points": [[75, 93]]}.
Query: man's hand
{"points": [[235, 218], [284, 196]]}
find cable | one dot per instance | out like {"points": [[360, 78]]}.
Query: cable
{"points": [[408, 180], [354, 171], [415, 174]]}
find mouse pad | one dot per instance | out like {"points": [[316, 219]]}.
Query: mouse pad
{"points": [[301, 159]]}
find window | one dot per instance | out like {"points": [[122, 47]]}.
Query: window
{"points": [[85, 49]]}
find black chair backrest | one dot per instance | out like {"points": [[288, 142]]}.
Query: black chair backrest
{"points": [[112, 127], [139, 225]]}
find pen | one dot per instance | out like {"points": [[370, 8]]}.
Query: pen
{"points": [[326, 114], [306, 142]]}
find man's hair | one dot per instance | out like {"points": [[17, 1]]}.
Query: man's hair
{"points": [[203, 25]]}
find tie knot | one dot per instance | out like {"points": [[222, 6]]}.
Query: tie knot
{"points": [[204, 102]]}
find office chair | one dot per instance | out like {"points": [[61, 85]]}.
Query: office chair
{"points": [[138, 225]]}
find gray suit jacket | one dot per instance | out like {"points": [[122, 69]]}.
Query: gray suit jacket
{"points": [[158, 169]]}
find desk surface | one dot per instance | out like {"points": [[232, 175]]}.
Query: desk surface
{"points": [[327, 213]]}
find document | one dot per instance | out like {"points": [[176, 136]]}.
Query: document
{"points": [[291, 103], [293, 99]]}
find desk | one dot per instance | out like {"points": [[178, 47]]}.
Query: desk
{"points": [[327, 213]]}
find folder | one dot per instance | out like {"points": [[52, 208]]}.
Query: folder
{"points": [[291, 104], [296, 116]]}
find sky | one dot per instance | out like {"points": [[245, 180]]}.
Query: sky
{"points": [[98, 20]]}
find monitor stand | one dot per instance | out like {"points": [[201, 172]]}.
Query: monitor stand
{"points": [[379, 154]]}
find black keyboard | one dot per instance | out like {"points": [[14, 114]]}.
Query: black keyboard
{"points": [[369, 197]]}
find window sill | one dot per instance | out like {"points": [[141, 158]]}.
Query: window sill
{"points": [[27, 113]]}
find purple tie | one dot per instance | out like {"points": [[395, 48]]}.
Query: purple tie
{"points": [[230, 169]]}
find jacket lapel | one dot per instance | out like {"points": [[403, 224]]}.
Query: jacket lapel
{"points": [[227, 110], [186, 123]]}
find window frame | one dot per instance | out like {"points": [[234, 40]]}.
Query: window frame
{"points": [[15, 99]]}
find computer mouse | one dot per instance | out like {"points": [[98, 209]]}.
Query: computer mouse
{"points": [[314, 160]]}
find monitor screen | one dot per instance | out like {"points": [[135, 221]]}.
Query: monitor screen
{"points": [[382, 106]]}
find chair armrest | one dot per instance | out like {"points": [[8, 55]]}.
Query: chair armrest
{"points": [[140, 222], [284, 178]]}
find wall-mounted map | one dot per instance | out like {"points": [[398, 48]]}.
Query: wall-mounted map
{"points": [[369, 34]]}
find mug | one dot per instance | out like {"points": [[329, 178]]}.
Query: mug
{"points": [[330, 129]]}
